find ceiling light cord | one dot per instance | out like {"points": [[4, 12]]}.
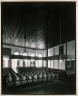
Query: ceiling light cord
{"points": [[25, 43]]}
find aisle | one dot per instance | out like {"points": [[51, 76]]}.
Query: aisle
{"points": [[47, 88]]}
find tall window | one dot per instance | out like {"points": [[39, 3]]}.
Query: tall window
{"points": [[49, 64], [15, 64], [55, 64], [25, 63], [44, 63], [20, 63], [40, 61], [25, 60], [32, 62], [5, 62]]}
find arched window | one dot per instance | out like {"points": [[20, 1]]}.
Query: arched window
{"points": [[40, 55], [32, 54], [16, 53], [24, 54]]}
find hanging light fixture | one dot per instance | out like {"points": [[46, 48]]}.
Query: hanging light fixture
{"points": [[25, 53]]}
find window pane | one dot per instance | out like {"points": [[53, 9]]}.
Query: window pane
{"points": [[5, 62], [40, 55], [55, 64], [14, 63], [44, 63], [48, 63], [25, 54], [25, 63], [51, 63], [32, 63], [21, 63], [32, 55], [40, 63], [16, 53]]}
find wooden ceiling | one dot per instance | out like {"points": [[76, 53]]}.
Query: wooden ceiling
{"points": [[38, 20]]}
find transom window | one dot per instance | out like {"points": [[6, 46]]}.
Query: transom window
{"points": [[24, 54], [40, 55], [16, 53], [32, 54]]}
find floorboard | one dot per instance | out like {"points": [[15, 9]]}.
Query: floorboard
{"points": [[53, 87]]}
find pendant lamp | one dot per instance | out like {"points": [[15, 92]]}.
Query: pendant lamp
{"points": [[25, 53]]}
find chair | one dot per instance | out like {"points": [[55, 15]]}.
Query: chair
{"points": [[23, 79], [9, 80], [52, 75], [56, 75], [44, 77], [17, 80], [39, 77], [49, 76], [29, 79], [35, 79]]}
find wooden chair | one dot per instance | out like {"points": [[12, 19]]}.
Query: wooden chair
{"points": [[9, 80], [40, 78], [17, 80], [35, 79], [29, 79], [49, 76], [52, 75]]}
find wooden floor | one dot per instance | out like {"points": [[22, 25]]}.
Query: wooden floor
{"points": [[53, 87]]}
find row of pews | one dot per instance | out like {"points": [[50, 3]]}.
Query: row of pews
{"points": [[71, 73], [26, 76], [17, 79]]}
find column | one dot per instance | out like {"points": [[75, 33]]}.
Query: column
{"points": [[66, 57]]}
